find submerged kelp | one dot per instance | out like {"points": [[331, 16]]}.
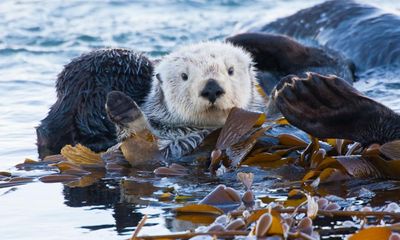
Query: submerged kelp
{"points": [[284, 189]]}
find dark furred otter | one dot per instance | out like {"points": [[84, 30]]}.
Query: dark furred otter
{"points": [[327, 106], [78, 115]]}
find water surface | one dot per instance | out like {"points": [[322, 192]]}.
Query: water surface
{"points": [[38, 37]]}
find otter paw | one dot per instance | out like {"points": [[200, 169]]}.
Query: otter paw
{"points": [[327, 107], [121, 109]]}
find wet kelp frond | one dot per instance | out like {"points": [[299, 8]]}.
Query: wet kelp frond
{"points": [[252, 149]]}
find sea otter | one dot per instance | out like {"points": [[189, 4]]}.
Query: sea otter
{"points": [[79, 114], [193, 91], [190, 94]]}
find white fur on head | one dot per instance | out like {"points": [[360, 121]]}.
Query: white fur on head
{"points": [[201, 62]]}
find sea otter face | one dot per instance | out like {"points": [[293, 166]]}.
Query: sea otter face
{"points": [[202, 82]]}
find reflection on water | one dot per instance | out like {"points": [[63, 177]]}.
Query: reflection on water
{"points": [[38, 38], [105, 195]]}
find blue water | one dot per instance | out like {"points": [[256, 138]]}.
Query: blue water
{"points": [[38, 37]]}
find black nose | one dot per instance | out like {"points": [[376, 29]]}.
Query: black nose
{"points": [[212, 91]]}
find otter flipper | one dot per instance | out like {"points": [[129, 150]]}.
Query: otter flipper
{"points": [[276, 52], [121, 109], [328, 107], [125, 113], [277, 56]]}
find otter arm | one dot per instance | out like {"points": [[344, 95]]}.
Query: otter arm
{"points": [[128, 118], [277, 56], [281, 54], [328, 107], [176, 142]]}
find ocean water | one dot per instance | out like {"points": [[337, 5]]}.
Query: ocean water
{"points": [[38, 37]]}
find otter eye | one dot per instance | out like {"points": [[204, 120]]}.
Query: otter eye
{"points": [[184, 76], [230, 71]]}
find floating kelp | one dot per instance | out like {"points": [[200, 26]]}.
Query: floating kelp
{"points": [[15, 181], [58, 178], [81, 156], [276, 220], [147, 144], [172, 170], [373, 233], [199, 208], [283, 193]]}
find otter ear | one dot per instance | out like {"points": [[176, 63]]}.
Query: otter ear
{"points": [[158, 76]]}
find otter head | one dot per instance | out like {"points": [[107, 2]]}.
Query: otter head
{"points": [[201, 83]]}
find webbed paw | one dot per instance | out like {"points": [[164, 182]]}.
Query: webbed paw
{"points": [[329, 107], [121, 109]]}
